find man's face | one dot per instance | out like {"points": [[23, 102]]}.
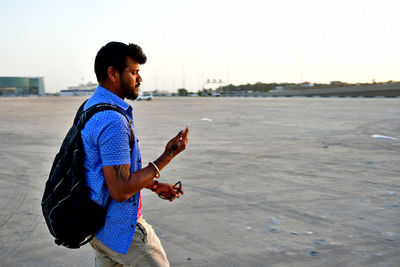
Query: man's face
{"points": [[130, 79]]}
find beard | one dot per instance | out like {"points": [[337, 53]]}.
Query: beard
{"points": [[130, 92]]}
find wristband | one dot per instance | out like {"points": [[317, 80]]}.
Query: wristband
{"points": [[157, 170], [155, 185]]}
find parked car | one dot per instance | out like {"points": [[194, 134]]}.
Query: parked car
{"points": [[147, 97]]}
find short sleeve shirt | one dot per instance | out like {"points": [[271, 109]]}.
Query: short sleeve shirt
{"points": [[106, 139]]}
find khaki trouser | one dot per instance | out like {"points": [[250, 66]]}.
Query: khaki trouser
{"points": [[145, 250]]}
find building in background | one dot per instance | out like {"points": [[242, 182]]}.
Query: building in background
{"points": [[80, 90], [19, 86]]}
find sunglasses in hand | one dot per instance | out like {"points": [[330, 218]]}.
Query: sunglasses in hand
{"points": [[177, 188]]}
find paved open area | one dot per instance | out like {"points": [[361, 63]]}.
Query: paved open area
{"points": [[267, 181]]}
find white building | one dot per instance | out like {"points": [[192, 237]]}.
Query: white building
{"points": [[80, 90]]}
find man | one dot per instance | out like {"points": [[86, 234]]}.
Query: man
{"points": [[113, 164]]}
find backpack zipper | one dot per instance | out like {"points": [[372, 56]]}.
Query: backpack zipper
{"points": [[59, 202], [59, 183]]}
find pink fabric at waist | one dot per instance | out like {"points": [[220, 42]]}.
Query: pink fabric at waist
{"points": [[139, 212]]}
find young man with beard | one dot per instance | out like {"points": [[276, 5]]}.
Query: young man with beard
{"points": [[113, 166]]}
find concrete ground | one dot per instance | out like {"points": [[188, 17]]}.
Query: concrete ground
{"points": [[268, 181]]}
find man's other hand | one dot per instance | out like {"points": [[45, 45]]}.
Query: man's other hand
{"points": [[168, 191]]}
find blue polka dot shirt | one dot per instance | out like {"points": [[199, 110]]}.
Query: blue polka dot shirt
{"points": [[106, 143]]}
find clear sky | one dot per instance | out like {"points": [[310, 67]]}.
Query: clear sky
{"points": [[188, 41]]}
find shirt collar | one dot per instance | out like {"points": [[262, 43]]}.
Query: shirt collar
{"points": [[113, 98]]}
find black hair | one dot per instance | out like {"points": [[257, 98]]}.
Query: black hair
{"points": [[115, 54]]}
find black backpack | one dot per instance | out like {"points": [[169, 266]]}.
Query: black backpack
{"points": [[71, 216]]}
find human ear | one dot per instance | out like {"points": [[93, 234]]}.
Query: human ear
{"points": [[112, 74]]}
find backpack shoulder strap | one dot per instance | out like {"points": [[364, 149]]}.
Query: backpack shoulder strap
{"points": [[83, 116], [79, 113]]}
